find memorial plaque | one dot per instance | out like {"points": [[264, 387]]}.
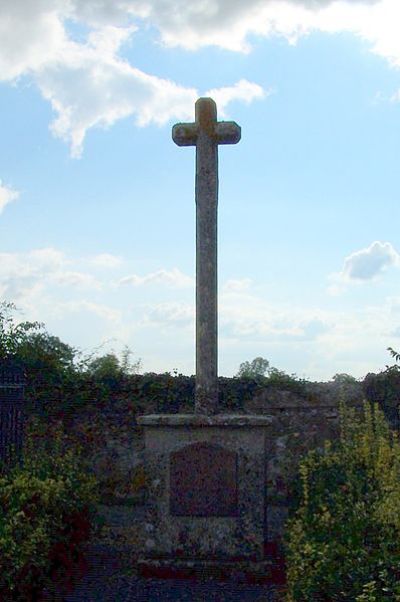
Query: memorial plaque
{"points": [[203, 481]]}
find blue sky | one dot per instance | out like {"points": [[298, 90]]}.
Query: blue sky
{"points": [[97, 211]]}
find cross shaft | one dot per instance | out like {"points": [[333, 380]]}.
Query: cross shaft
{"points": [[206, 133]]}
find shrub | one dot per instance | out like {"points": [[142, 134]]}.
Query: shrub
{"points": [[46, 507], [342, 540]]}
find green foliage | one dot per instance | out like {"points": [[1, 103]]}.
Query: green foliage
{"points": [[61, 378], [110, 370], [49, 368], [233, 393], [286, 382], [344, 379], [44, 507], [13, 336], [258, 367], [266, 376], [394, 354], [384, 388], [127, 367], [166, 392], [342, 537]]}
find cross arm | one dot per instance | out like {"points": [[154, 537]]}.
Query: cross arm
{"points": [[227, 132], [185, 134]]}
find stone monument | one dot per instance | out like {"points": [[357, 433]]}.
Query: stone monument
{"points": [[207, 471]]}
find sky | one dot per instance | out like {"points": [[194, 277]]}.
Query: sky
{"points": [[97, 206]]}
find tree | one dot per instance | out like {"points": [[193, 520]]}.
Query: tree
{"points": [[258, 367], [105, 367], [110, 366], [13, 336], [126, 366], [48, 351], [396, 356], [344, 379]]}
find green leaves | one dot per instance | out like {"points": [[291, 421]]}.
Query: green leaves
{"points": [[394, 354], [12, 336], [342, 539], [258, 367], [44, 506]]}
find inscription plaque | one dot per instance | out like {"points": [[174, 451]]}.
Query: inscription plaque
{"points": [[203, 481]]}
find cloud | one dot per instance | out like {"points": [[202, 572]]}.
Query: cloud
{"points": [[175, 278], [7, 195], [368, 263], [248, 318], [237, 285], [100, 310], [278, 330], [393, 304], [35, 262], [46, 258], [92, 87], [76, 279], [31, 31], [18, 287], [242, 90], [105, 260], [89, 83], [169, 314], [229, 23], [25, 274], [364, 265]]}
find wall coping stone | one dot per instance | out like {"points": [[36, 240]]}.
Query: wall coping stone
{"points": [[220, 420]]}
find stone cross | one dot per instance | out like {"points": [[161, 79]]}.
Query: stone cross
{"points": [[205, 134]]}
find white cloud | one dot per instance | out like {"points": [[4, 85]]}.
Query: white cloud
{"points": [[76, 279], [278, 331], [25, 274], [229, 23], [237, 285], [105, 260], [242, 90], [246, 317], [369, 263], [89, 84], [175, 278], [45, 259], [100, 310], [7, 195], [364, 265], [31, 31], [174, 315]]}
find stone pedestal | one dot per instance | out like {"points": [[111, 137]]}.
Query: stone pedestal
{"points": [[207, 487]]}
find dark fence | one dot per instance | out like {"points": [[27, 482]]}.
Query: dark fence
{"points": [[12, 383]]}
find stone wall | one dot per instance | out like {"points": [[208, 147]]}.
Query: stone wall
{"points": [[114, 452]]}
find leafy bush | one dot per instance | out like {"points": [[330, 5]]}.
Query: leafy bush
{"points": [[257, 375], [285, 382], [342, 540], [12, 336], [258, 367], [46, 511]]}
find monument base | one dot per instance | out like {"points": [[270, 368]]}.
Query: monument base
{"points": [[267, 572], [206, 491]]}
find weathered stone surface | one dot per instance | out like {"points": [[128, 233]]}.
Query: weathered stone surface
{"points": [[206, 134], [241, 535], [292, 431], [195, 420], [203, 481]]}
